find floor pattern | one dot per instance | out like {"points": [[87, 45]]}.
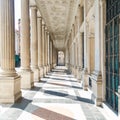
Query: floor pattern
{"points": [[57, 97]]}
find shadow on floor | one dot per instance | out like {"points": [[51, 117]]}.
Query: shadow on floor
{"points": [[50, 77], [75, 98], [58, 84]]}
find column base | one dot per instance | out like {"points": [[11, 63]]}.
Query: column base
{"points": [[49, 68], [45, 71], [10, 89], [41, 72], [97, 88], [27, 80], [85, 79], [72, 70], [36, 74], [75, 69], [79, 74]]}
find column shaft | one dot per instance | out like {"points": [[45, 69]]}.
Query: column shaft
{"points": [[48, 51], [26, 73], [43, 51], [34, 44], [39, 21]]}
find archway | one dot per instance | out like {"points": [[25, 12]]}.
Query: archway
{"points": [[61, 58]]}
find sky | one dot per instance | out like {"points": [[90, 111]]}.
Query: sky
{"points": [[17, 12]]}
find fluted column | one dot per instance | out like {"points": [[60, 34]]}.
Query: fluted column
{"points": [[48, 49], [25, 72], [9, 79], [76, 56], [51, 49], [34, 43], [45, 48], [43, 51], [96, 74], [85, 78], [79, 21], [39, 24]]}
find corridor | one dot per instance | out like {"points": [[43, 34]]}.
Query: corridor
{"points": [[58, 96]]}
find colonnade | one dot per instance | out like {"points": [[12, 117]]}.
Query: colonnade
{"points": [[84, 49], [84, 52], [38, 55]]}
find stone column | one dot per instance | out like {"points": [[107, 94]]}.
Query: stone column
{"points": [[79, 77], [48, 49], [25, 72], [103, 23], [43, 51], [39, 27], [34, 44], [73, 57], [9, 79], [76, 54], [51, 55], [85, 72], [96, 76]]}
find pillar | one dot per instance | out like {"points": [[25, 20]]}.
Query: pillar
{"points": [[43, 51], [76, 55], [79, 77], [34, 44], [85, 72], [48, 50], [39, 27], [51, 49], [26, 73], [9, 79], [96, 75]]}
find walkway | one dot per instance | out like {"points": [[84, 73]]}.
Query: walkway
{"points": [[57, 97]]}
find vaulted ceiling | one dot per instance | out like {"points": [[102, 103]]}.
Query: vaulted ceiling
{"points": [[59, 16]]}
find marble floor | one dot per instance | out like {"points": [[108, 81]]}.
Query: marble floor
{"points": [[57, 97]]}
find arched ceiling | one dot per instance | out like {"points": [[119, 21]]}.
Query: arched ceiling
{"points": [[59, 16]]}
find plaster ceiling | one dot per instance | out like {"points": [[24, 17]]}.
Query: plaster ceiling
{"points": [[59, 16]]}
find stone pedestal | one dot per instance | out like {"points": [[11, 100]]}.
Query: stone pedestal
{"points": [[41, 72], [9, 89], [85, 79], [27, 77], [36, 74], [49, 68], [97, 88], [76, 71], [45, 70], [79, 74]]}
